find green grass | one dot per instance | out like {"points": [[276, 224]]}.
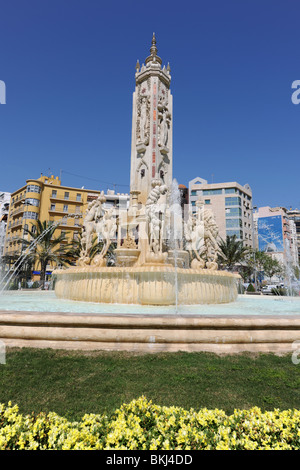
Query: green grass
{"points": [[74, 383]]}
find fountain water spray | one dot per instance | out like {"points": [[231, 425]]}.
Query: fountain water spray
{"points": [[11, 272]]}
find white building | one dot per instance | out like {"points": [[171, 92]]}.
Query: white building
{"points": [[231, 204]]}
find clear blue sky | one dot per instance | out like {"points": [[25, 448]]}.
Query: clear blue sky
{"points": [[69, 71]]}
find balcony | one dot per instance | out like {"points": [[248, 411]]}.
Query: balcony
{"points": [[74, 215], [64, 199]]}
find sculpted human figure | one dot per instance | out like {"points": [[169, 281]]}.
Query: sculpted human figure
{"points": [[155, 217], [210, 240], [143, 119], [201, 232], [163, 127], [106, 230], [93, 213]]}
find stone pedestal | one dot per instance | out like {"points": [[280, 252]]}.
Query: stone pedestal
{"points": [[179, 258], [127, 256]]}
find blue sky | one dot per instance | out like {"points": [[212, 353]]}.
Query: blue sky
{"points": [[69, 66]]}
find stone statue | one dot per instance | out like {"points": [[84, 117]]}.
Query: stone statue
{"points": [[201, 234], [93, 213], [210, 240], [106, 229], [143, 119], [164, 123], [194, 235], [155, 216]]}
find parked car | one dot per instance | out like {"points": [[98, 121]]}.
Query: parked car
{"points": [[268, 289]]}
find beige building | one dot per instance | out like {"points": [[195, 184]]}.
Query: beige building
{"points": [[47, 200], [231, 204]]}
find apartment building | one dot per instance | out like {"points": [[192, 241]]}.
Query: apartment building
{"points": [[4, 209], [46, 199], [231, 204]]}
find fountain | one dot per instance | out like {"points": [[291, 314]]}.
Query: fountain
{"points": [[165, 292], [153, 267]]}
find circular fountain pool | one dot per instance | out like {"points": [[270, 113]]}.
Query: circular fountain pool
{"points": [[245, 305]]}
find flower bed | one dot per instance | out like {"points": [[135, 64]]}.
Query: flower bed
{"points": [[143, 425]]}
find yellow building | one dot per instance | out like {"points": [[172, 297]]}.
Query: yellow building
{"points": [[47, 200]]}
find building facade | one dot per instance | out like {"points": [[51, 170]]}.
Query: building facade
{"points": [[294, 215], [276, 232], [46, 199], [4, 209], [231, 204]]}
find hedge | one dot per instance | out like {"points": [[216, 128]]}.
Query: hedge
{"points": [[143, 425]]}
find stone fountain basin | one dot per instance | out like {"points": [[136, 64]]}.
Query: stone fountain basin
{"points": [[146, 285]]}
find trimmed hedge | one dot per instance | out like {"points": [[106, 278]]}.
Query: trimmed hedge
{"points": [[143, 425]]}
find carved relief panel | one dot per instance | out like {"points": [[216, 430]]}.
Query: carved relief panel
{"points": [[143, 114]]}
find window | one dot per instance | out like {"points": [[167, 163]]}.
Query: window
{"points": [[52, 207], [230, 190], [54, 193], [233, 212], [33, 188], [211, 192], [234, 223], [32, 202], [207, 201], [233, 201], [30, 215], [67, 195], [193, 192], [65, 208], [78, 197], [238, 233]]}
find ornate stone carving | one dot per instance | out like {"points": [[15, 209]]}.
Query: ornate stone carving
{"points": [[98, 222], [143, 115], [164, 119], [155, 217], [92, 215], [201, 234]]}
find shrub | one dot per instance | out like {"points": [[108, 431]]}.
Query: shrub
{"points": [[143, 425], [250, 288]]}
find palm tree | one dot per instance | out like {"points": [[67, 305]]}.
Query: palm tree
{"points": [[47, 249], [232, 252]]}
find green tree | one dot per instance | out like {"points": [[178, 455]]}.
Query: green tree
{"points": [[273, 267], [47, 248], [232, 252]]}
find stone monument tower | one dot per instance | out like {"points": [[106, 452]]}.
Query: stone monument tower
{"points": [[151, 143]]}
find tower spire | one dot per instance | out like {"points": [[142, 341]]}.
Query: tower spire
{"points": [[153, 52], [153, 49]]}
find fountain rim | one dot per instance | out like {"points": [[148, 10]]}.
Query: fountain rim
{"points": [[145, 268]]}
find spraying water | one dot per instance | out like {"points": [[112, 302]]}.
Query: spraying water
{"points": [[4, 282], [175, 232]]}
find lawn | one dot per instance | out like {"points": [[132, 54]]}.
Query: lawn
{"points": [[74, 383]]}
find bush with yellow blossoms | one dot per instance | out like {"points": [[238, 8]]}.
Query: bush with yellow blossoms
{"points": [[142, 425]]}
